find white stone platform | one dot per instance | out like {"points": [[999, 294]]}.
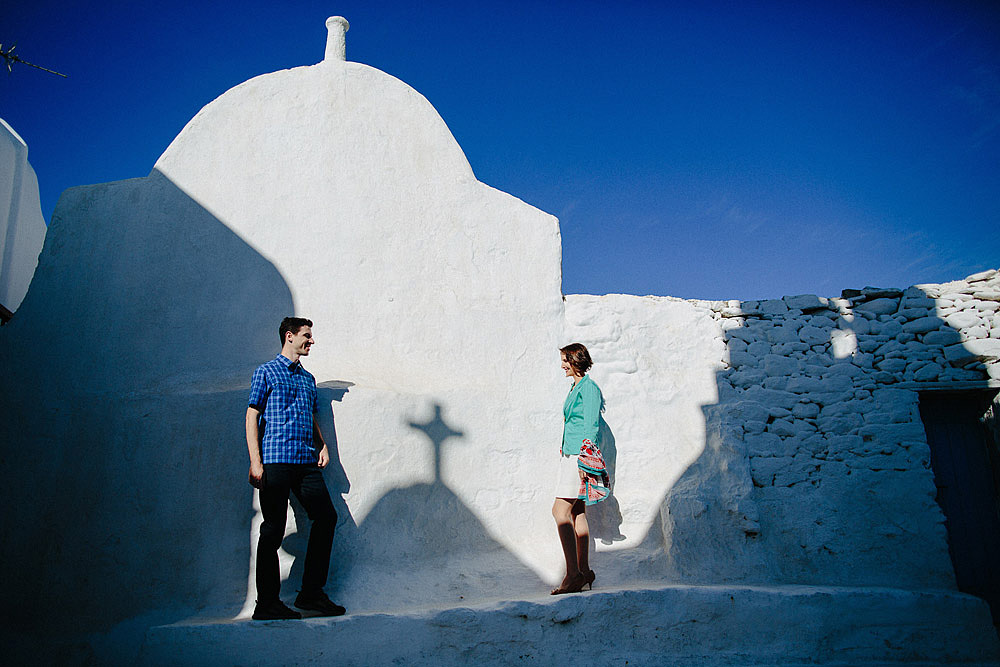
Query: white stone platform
{"points": [[690, 625]]}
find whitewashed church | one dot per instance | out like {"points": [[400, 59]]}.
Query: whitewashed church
{"points": [[807, 480]]}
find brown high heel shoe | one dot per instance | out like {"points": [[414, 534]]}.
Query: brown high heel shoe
{"points": [[572, 587], [589, 577]]}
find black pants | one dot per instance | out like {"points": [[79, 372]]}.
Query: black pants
{"points": [[306, 482]]}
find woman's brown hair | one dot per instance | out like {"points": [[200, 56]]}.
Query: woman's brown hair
{"points": [[578, 357]]}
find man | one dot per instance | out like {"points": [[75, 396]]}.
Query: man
{"points": [[287, 454]]}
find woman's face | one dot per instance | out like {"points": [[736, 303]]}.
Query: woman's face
{"points": [[566, 367]]}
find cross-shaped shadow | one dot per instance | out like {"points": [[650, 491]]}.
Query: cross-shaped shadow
{"points": [[449, 556], [438, 431]]}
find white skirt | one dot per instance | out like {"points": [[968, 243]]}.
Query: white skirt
{"points": [[568, 478]]}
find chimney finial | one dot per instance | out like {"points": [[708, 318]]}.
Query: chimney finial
{"points": [[336, 38]]}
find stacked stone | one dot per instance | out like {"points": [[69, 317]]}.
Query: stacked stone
{"points": [[825, 392]]}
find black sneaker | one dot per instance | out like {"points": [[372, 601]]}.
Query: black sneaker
{"points": [[319, 602], [274, 611]]}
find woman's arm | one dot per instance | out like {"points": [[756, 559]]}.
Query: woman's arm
{"points": [[590, 400]]}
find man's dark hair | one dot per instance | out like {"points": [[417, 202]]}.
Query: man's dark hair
{"points": [[578, 357], [292, 324]]}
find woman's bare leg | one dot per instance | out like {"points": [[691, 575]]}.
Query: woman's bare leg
{"points": [[582, 530], [562, 512]]}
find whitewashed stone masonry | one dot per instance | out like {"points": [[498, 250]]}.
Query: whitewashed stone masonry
{"points": [[802, 457], [825, 392]]}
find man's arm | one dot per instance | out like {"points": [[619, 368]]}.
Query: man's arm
{"points": [[253, 445], [324, 453]]}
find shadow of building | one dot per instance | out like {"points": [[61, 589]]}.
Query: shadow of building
{"points": [[123, 393], [816, 467], [605, 517], [421, 546]]}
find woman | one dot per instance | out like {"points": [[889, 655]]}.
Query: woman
{"points": [[582, 479]]}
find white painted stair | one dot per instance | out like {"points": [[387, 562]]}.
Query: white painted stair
{"points": [[689, 625]]}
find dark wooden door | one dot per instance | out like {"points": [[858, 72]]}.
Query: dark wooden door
{"points": [[961, 429]]}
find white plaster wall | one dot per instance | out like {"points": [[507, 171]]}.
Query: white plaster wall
{"points": [[426, 288], [333, 192], [351, 184], [22, 227], [656, 360], [123, 390], [781, 441]]}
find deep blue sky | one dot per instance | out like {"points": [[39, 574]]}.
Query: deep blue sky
{"points": [[698, 149]]}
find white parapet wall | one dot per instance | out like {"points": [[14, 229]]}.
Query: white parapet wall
{"points": [[740, 434], [763, 441], [22, 227]]}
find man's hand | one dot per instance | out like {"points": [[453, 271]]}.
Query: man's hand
{"points": [[324, 457], [256, 475], [253, 446]]}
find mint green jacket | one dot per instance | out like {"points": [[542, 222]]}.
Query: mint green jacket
{"points": [[581, 416]]}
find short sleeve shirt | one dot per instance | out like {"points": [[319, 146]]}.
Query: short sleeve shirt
{"points": [[285, 395]]}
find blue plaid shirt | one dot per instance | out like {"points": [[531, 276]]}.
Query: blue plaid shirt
{"points": [[285, 395]]}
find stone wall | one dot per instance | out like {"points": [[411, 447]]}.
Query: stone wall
{"points": [[808, 461], [825, 392]]}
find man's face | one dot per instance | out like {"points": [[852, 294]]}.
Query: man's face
{"points": [[301, 341]]}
